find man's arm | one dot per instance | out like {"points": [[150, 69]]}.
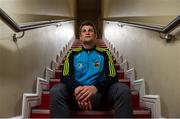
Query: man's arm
{"points": [[67, 76], [110, 72]]}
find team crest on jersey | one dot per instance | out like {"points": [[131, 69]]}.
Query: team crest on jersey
{"points": [[96, 64], [79, 65]]}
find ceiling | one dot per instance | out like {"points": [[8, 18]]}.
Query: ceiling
{"points": [[88, 4]]}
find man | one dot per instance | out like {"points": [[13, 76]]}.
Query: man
{"points": [[89, 80]]}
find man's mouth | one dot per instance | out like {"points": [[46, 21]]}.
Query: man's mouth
{"points": [[87, 36]]}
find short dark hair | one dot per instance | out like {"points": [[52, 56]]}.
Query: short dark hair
{"points": [[88, 23]]}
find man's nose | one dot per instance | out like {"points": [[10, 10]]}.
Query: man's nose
{"points": [[87, 32]]}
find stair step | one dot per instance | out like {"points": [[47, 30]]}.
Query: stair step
{"points": [[42, 111], [117, 66], [78, 46], [138, 113], [46, 100], [56, 81], [97, 43], [57, 74], [120, 74], [61, 66], [53, 82]]}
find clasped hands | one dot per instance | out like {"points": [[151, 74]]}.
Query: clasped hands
{"points": [[83, 95]]}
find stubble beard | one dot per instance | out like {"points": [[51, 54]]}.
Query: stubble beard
{"points": [[88, 43], [87, 40]]}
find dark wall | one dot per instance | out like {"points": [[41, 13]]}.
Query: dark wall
{"points": [[89, 10]]}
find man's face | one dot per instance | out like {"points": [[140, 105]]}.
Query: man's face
{"points": [[87, 34]]}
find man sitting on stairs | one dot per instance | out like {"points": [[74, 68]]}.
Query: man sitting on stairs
{"points": [[89, 80]]}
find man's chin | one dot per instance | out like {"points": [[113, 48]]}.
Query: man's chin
{"points": [[87, 40]]}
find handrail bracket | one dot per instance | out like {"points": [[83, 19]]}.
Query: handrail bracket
{"points": [[15, 37], [167, 37]]}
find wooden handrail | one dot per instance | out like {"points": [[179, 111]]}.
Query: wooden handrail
{"points": [[18, 28], [172, 25], [166, 29], [9, 21]]}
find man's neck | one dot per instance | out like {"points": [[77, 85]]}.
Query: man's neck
{"points": [[88, 46]]}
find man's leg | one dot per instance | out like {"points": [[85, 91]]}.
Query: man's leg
{"points": [[120, 96], [59, 101], [96, 101]]}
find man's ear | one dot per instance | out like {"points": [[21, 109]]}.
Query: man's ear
{"points": [[80, 38], [96, 36]]}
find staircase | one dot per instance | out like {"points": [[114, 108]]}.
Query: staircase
{"points": [[144, 106]]}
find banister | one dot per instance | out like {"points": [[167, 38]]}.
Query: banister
{"points": [[172, 25], [166, 29], [9, 21], [18, 28]]}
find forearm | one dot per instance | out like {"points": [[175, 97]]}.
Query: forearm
{"points": [[102, 86], [70, 83]]}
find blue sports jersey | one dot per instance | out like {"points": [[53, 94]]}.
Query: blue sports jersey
{"points": [[89, 67]]}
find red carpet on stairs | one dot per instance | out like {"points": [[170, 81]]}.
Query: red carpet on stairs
{"points": [[42, 111]]}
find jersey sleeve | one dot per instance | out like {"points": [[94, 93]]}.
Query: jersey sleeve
{"points": [[110, 73], [67, 75]]}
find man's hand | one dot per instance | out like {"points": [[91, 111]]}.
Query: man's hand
{"points": [[84, 93], [86, 106], [78, 90]]}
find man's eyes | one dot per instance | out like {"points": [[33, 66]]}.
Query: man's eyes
{"points": [[84, 31], [90, 30]]}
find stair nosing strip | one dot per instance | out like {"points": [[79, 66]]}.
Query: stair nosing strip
{"points": [[58, 70], [119, 71], [132, 92], [47, 111], [42, 111], [54, 80], [124, 80]]}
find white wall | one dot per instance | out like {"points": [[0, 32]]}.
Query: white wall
{"points": [[155, 60], [22, 62]]}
